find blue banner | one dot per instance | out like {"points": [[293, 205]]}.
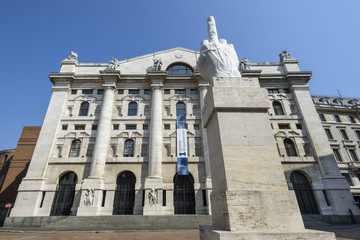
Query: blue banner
{"points": [[182, 150]]}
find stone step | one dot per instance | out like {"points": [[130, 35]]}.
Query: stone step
{"points": [[120, 222]]}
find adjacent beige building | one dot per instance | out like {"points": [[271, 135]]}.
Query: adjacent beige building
{"points": [[108, 142]]}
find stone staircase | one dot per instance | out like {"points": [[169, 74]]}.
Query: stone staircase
{"points": [[120, 222]]}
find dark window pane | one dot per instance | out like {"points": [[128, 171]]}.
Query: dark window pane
{"points": [[322, 117], [74, 91], [84, 109], [129, 148], [121, 91], [134, 91], [290, 147], [328, 134], [75, 148], [180, 91], [277, 108], [337, 118], [145, 127], [100, 91], [87, 91], [273, 91], [352, 119], [337, 155], [167, 91], [180, 109], [131, 127], [179, 69], [147, 91], [344, 134], [353, 155], [193, 91], [132, 111]]}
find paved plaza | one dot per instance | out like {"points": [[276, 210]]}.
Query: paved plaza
{"points": [[343, 232]]}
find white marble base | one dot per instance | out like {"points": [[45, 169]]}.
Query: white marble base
{"points": [[211, 233]]}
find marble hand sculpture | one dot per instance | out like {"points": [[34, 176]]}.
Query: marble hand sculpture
{"points": [[217, 58]]}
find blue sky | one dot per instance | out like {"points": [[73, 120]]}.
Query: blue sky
{"points": [[37, 35]]}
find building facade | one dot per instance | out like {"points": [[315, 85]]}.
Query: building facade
{"points": [[108, 144], [340, 119]]}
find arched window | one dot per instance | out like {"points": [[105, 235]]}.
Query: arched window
{"points": [[64, 195], [133, 107], [129, 148], [304, 193], [75, 148], [84, 109], [179, 69], [180, 109], [124, 199], [277, 108], [290, 147], [184, 194]]}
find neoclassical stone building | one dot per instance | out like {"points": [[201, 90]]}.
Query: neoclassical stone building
{"points": [[340, 119], [108, 144]]}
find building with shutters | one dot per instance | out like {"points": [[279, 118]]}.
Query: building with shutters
{"points": [[108, 143]]}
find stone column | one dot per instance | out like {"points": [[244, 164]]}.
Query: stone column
{"points": [[154, 179], [156, 133], [250, 198], [102, 140], [203, 88], [30, 190], [338, 189], [95, 181]]}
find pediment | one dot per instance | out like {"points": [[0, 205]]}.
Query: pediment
{"points": [[133, 98], [141, 64], [76, 134], [180, 97]]}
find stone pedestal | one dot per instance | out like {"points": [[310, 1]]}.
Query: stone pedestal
{"points": [[153, 209], [250, 198], [95, 184]]}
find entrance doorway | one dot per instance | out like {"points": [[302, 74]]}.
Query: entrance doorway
{"points": [[184, 194], [64, 195], [304, 193], [124, 200]]}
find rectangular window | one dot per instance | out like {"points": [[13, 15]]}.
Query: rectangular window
{"points": [[298, 126], [134, 91], [167, 126], [180, 91], [145, 127], [337, 118], [164, 198], [328, 133], [74, 91], [87, 91], [166, 91], [79, 127], [353, 155], [273, 91], [204, 198], [286, 90], [130, 126], [344, 135], [322, 117], [116, 126], [352, 119], [196, 127], [193, 91], [337, 155], [120, 91], [64, 127], [348, 179], [100, 91], [358, 134], [147, 91], [94, 127], [284, 126]]}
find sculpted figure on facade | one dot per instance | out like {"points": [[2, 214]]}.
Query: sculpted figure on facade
{"points": [[153, 196], [285, 55], [157, 64], [72, 57], [89, 197], [245, 64], [114, 64], [217, 58]]}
